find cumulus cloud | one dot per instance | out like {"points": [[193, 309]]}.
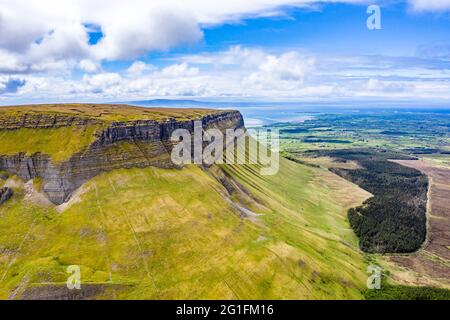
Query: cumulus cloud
{"points": [[376, 86], [41, 42], [290, 66], [88, 65], [102, 80], [41, 34], [430, 5], [258, 68], [9, 63], [137, 68], [51, 35], [179, 70], [235, 55], [252, 73]]}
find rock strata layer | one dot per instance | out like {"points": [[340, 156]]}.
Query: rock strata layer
{"points": [[121, 144], [5, 194]]}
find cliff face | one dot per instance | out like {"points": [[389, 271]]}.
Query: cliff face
{"points": [[121, 144], [37, 120], [149, 130], [5, 194]]}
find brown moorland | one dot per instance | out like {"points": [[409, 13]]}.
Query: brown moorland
{"points": [[433, 260]]}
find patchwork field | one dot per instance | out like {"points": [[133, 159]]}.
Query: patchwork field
{"points": [[424, 133], [328, 140]]}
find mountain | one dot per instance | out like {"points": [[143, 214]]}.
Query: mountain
{"points": [[67, 145], [140, 228]]}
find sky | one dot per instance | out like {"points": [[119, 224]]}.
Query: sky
{"points": [[234, 50]]}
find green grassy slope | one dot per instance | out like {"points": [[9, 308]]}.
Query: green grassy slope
{"points": [[59, 143], [172, 234]]}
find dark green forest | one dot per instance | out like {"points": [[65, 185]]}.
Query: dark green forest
{"points": [[396, 292], [394, 219]]}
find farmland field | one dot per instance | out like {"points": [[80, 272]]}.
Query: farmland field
{"points": [[359, 147]]}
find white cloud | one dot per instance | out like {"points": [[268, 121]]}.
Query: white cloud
{"points": [[179, 70], [430, 5], [102, 80], [41, 42], [250, 73], [235, 55], [286, 67], [51, 32], [138, 67], [396, 87], [88, 66], [9, 63]]}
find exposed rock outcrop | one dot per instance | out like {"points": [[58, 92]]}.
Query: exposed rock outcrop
{"points": [[122, 144], [149, 130], [43, 120], [5, 194]]}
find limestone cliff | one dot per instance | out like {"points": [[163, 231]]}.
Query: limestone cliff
{"points": [[5, 194], [118, 144]]}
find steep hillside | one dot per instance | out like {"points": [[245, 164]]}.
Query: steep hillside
{"points": [[223, 232]]}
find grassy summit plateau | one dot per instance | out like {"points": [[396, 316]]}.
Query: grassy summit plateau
{"points": [[60, 130], [109, 112]]}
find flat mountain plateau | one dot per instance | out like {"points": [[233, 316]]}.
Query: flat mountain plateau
{"points": [[66, 145]]}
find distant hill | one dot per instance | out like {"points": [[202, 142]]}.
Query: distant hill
{"points": [[184, 103]]}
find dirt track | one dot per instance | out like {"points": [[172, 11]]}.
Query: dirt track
{"points": [[433, 261]]}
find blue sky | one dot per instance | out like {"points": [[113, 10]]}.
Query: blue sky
{"points": [[333, 28], [338, 28], [262, 51]]}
